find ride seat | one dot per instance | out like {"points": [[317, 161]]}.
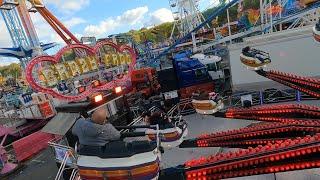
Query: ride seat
{"points": [[248, 53], [260, 58], [118, 149], [204, 106], [318, 26], [142, 146], [166, 126], [201, 97], [114, 149]]}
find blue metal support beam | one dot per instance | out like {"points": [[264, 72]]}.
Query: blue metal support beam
{"points": [[15, 28]]}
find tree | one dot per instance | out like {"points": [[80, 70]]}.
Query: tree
{"points": [[155, 34], [233, 11], [13, 70], [223, 2], [251, 4], [222, 18]]}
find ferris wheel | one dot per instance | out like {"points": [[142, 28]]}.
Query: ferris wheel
{"points": [[186, 15]]}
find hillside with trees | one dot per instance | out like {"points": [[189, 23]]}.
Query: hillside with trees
{"points": [[158, 33], [13, 70], [163, 31]]}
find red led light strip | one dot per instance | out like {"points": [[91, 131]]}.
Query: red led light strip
{"points": [[308, 79], [265, 156]]}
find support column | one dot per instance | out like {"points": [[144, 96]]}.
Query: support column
{"points": [[261, 14], [298, 96], [261, 97], [271, 18], [280, 3], [194, 42], [229, 28]]}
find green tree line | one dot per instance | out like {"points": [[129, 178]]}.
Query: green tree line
{"points": [[155, 34], [13, 70], [158, 33], [233, 11], [163, 31]]}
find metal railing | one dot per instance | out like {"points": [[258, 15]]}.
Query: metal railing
{"points": [[184, 107], [10, 154], [269, 96], [235, 100], [66, 156], [135, 111], [139, 119], [75, 175]]}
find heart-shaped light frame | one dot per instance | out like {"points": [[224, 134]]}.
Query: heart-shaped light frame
{"points": [[92, 51]]}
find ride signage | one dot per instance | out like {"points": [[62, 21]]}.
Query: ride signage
{"points": [[51, 75], [86, 65]]}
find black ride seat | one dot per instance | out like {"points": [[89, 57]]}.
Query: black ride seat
{"points": [[201, 97], [318, 26], [118, 149], [142, 146], [254, 53], [167, 126], [249, 54], [163, 123]]}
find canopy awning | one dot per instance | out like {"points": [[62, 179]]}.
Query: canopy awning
{"points": [[61, 123]]}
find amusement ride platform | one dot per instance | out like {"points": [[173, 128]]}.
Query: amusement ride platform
{"points": [[43, 166]]}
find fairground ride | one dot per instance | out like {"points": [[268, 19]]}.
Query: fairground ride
{"points": [[22, 32], [77, 70], [272, 16]]}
